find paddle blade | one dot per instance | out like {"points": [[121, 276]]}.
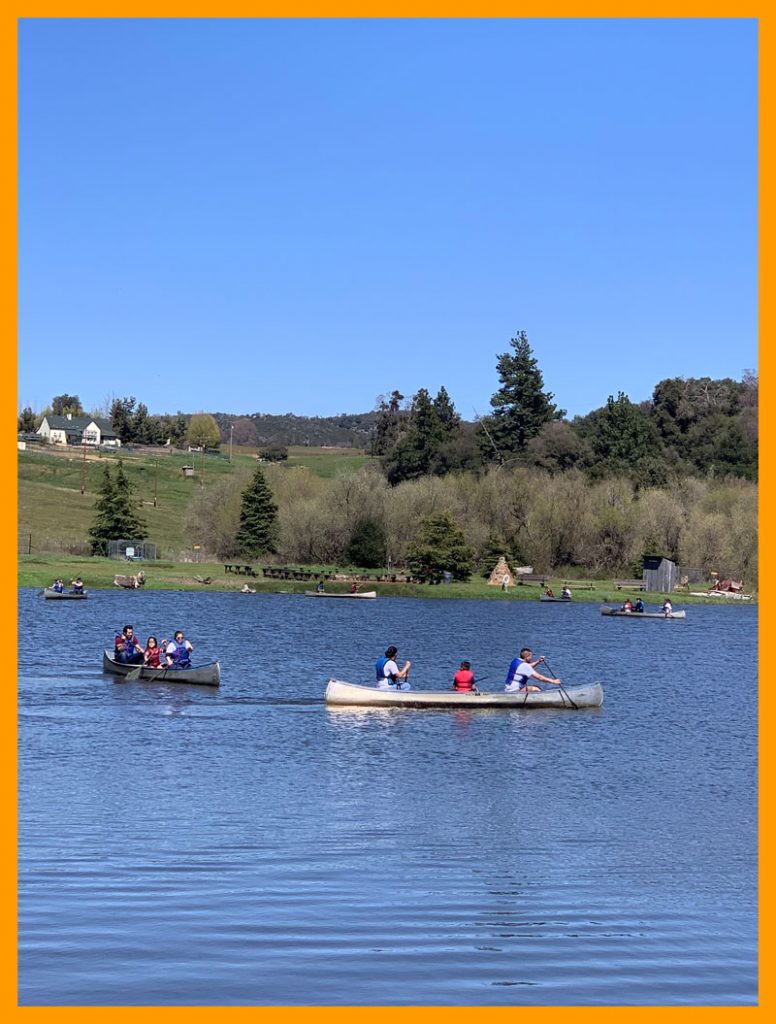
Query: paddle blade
{"points": [[135, 673]]}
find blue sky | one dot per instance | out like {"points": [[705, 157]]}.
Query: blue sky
{"points": [[297, 216]]}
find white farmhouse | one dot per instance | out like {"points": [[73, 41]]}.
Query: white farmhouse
{"points": [[69, 429]]}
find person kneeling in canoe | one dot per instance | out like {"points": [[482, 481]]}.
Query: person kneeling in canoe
{"points": [[178, 651], [521, 670], [463, 680], [389, 674]]}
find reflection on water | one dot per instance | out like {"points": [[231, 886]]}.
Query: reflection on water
{"points": [[280, 852]]}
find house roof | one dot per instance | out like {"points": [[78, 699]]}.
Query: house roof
{"points": [[77, 424]]}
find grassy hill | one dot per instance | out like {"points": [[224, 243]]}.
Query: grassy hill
{"points": [[54, 516]]}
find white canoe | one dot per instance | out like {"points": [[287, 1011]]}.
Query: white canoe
{"points": [[352, 695], [643, 615], [326, 593]]}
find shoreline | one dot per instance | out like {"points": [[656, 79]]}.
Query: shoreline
{"points": [[38, 571]]}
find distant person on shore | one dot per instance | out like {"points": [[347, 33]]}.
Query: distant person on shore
{"points": [[521, 670], [178, 651], [152, 653], [388, 672], [463, 680], [128, 650]]}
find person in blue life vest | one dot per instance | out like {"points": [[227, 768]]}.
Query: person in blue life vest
{"points": [[128, 650], [521, 670], [388, 673], [177, 653], [639, 605], [463, 680], [58, 586]]}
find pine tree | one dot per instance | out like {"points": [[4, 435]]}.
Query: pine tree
{"points": [[258, 518], [439, 547], [521, 406], [115, 518]]}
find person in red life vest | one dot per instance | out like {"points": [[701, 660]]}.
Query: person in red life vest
{"points": [[463, 680], [152, 652], [628, 606], [128, 649]]}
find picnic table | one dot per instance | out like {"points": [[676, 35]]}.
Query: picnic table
{"points": [[241, 570]]}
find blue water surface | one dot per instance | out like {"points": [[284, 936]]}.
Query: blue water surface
{"points": [[245, 845]]}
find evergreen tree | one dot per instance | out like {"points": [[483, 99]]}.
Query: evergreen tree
{"points": [[116, 518], [258, 518], [624, 442], [439, 547], [61, 405], [367, 547], [122, 418], [26, 421], [387, 422], [521, 406]]}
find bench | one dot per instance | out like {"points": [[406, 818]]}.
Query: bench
{"points": [[630, 584], [576, 585], [531, 577], [241, 570]]}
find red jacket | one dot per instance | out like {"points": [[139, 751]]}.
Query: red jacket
{"points": [[463, 680]]}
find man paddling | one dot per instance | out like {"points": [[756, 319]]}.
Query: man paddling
{"points": [[521, 670], [389, 675]]}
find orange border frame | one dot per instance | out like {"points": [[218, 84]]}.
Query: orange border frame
{"points": [[8, 280]]}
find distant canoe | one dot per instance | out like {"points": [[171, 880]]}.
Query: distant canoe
{"points": [[558, 600], [200, 675], [64, 595], [326, 593], [642, 615], [345, 694]]}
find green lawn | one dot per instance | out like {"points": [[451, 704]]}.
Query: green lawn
{"points": [[54, 516]]}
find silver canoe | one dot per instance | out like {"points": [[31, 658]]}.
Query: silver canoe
{"points": [[64, 595], [643, 615], [558, 600], [326, 593], [201, 675], [353, 695]]}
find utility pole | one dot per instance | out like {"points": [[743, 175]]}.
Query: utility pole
{"points": [[156, 474], [83, 471], [231, 436]]}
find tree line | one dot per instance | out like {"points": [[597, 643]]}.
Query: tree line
{"points": [[692, 426]]}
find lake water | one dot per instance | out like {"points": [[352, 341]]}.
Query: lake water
{"points": [[185, 845]]}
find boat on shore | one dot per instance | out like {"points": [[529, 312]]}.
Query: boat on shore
{"points": [[64, 595], [327, 593], [199, 675], [618, 612], [344, 694]]}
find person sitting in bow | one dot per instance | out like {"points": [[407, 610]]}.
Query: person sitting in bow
{"points": [[58, 586]]}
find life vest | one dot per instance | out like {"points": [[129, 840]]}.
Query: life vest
{"points": [[379, 667], [181, 654], [152, 656], [463, 680]]}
